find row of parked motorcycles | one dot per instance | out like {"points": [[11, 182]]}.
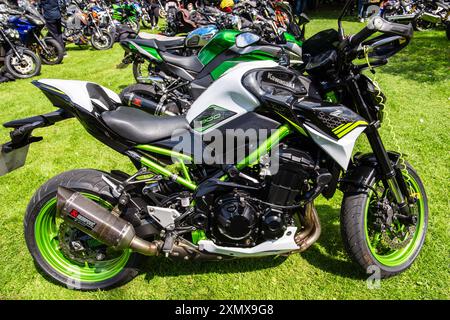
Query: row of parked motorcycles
{"points": [[422, 14], [272, 21], [24, 47]]}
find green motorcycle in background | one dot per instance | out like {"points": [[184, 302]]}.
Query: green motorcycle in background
{"points": [[127, 13]]}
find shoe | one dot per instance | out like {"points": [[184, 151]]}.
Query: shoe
{"points": [[65, 54], [361, 20]]}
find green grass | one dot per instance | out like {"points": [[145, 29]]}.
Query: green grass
{"points": [[416, 83]]}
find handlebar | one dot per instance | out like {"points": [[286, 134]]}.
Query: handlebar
{"points": [[378, 24]]}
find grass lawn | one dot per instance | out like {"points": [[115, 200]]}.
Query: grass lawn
{"points": [[417, 85]]}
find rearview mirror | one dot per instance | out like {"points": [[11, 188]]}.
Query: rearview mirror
{"points": [[246, 39]]}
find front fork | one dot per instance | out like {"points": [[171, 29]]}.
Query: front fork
{"points": [[394, 178], [41, 43]]}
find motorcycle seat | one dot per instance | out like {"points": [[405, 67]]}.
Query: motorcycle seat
{"points": [[141, 127], [160, 45], [191, 63]]}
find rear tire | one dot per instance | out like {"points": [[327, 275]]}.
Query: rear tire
{"points": [[144, 90], [56, 52], [356, 235], [45, 246]]}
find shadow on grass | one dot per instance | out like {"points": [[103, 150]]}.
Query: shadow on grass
{"points": [[327, 261], [424, 60], [328, 253]]}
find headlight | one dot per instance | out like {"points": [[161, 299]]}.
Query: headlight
{"points": [[12, 33]]}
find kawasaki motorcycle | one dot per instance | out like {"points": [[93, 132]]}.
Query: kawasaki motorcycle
{"points": [[173, 81], [194, 200]]}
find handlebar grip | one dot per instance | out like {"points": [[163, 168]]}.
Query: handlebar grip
{"points": [[356, 39]]}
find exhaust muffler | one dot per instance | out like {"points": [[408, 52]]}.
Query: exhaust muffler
{"points": [[429, 17], [96, 221]]}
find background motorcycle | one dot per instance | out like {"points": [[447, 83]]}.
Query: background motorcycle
{"points": [[127, 13], [18, 61], [79, 26], [433, 14], [30, 24]]}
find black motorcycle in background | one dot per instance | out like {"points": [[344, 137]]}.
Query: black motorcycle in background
{"points": [[17, 60], [422, 14], [432, 15]]}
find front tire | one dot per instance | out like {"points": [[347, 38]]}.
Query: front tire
{"points": [[102, 41], [49, 247], [27, 67], [362, 239]]}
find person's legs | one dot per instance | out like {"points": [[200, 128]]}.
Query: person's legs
{"points": [[361, 9], [299, 6], [156, 16], [55, 29]]}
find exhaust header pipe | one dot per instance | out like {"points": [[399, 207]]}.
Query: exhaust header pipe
{"points": [[96, 221]]}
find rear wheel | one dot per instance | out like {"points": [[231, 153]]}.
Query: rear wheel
{"points": [[421, 25], [143, 90], [373, 232], [54, 54], [142, 69], [67, 255]]}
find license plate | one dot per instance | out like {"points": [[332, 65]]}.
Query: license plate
{"points": [[12, 160]]}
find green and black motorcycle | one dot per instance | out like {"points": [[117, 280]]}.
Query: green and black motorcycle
{"points": [[234, 177], [172, 81]]}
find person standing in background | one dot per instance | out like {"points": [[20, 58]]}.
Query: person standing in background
{"points": [[299, 6], [154, 13], [361, 10], [51, 10]]}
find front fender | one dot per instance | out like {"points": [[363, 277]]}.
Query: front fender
{"points": [[361, 171]]}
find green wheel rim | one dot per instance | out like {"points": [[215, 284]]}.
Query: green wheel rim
{"points": [[398, 257], [46, 235]]}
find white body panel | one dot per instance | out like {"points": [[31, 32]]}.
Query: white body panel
{"points": [[270, 247], [340, 150], [77, 92], [229, 93]]}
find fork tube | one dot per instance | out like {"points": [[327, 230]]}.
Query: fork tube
{"points": [[387, 170]]}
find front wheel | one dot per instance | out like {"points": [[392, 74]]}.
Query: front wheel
{"points": [[25, 66], [67, 255], [375, 234], [134, 25], [146, 21], [102, 41]]}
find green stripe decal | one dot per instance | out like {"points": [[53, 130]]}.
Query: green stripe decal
{"points": [[350, 128], [296, 126]]}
